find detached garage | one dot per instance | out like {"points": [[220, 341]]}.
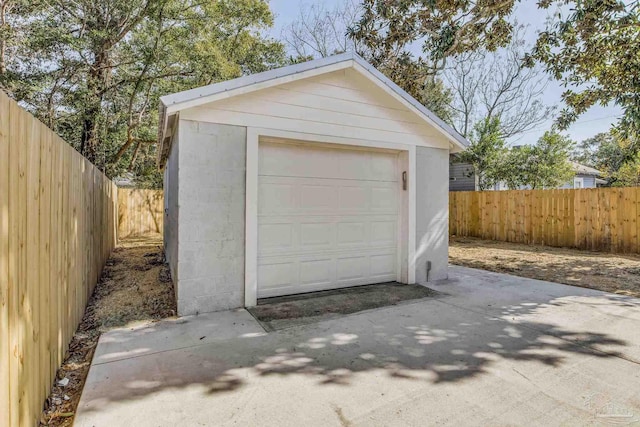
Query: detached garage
{"points": [[310, 177]]}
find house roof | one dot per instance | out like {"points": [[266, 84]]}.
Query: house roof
{"points": [[585, 170], [171, 105]]}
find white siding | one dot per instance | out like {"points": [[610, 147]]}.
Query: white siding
{"points": [[461, 177], [589, 181], [342, 104]]}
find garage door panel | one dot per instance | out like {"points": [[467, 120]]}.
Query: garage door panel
{"points": [[383, 265], [308, 274], [354, 198], [277, 197], [314, 234], [276, 236], [352, 267], [353, 165], [316, 271], [277, 275], [383, 167], [301, 233], [352, 233], [317, 197], [332, 230], [383, 232], [384, 199]]}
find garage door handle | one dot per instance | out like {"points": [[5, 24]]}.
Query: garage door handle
{"points": [[404, 180]]}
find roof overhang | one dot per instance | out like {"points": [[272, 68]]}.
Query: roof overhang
{"points": [[171, 105]]}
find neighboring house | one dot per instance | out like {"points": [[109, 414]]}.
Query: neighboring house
{"points": [[126, 180], [585, 177], [315, 176], [463, 178], [461, 175]]}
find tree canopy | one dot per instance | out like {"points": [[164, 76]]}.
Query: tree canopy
{"points": [[487, 153], [608, 154], [543, 165], [94, 70], [592, 48]]}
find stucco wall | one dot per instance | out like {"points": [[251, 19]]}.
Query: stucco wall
{"points": [[432, 213], [171, 213], [212, 217]]}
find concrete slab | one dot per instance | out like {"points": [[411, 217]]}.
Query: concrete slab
{"points": [[555, 308], [188, 331], [498, 350]]}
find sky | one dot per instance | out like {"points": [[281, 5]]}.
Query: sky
{"points": [[597, 119]]}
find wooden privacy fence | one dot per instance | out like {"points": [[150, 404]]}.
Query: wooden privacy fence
{"points": [[57, 229], [140, 212], [604, 219]]}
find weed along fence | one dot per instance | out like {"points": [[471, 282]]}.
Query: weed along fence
{"points": [[57, 229], [604, 219], [140, 212]]}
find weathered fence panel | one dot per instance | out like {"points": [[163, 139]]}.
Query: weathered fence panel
{"points": [[57, 229], [140, 212], [604, 219]]}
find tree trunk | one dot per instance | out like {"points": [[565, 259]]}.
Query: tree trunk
{"points": [[89, 140], [3, 42], [97, 81]]}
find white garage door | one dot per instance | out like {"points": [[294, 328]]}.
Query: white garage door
{"points": [[327, 218]]}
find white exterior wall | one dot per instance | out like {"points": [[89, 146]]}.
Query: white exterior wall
{"points": [[171, 223], [212, 217], [432, 213]]}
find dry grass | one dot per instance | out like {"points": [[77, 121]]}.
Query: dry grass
{"points": [[608, 272], [135, 287]]}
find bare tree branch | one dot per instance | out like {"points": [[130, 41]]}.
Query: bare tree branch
{"points": [[321, 32], [498, 85]]}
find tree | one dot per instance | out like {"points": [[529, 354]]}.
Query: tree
{"points": [[499, 84], [486, 153], [607, 153], [593, 50], [602, 151], [544, 165], [321, 32], [628, 175], [388, 29], [93, 71]]}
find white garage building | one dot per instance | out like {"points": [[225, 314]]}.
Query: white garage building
{"points": [[314, 176]]}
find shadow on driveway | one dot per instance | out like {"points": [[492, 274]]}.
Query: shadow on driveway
{"points": [[372, 354]]}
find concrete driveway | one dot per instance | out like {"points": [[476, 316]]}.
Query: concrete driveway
{"points": [[496, 350]]}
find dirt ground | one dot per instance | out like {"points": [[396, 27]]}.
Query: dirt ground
{"points": [[135, 287], [615, 273], [285, 312]]}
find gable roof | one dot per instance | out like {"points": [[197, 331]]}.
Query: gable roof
{"points": [[585, 170], [170, 105]]}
